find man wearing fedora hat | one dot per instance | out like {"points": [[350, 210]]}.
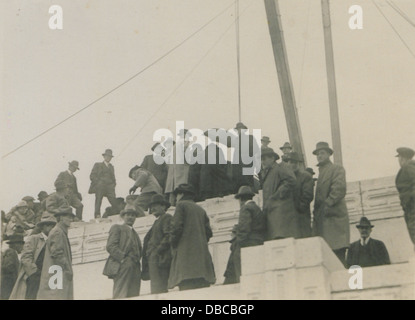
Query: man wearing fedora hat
{"points": [[40, 206], [286, 149], [148, 184], [10, 264], [73, 196], [278, 185], [191, 265], [123, 264], [159, 171], [157, 245], [331, 219], [20, 218], [265, 141], [58, 253], [367, 252], [303, 193], [103, 182], [28, 280], [250, 231], [405, 184]]}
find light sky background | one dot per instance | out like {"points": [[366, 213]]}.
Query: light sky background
{"points": [[47, 75]]}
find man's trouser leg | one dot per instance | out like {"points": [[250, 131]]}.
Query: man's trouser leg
{"points": [[77, 204], [110, 194], [158, 276], [143, 201], [128, 280], [98, 202]]}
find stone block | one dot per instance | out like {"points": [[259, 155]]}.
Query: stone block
{"points": [[313, 283], [279, 254], [315, 251], [280, 284], [76, 238], [95, 241], [253, 260], [252, 287]]}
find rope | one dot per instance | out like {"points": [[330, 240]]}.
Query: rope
{"points": [[400, 12], [120, 85]]}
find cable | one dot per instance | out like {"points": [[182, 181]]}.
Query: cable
{"points": [[182, 82], [238, 58], [400, 12], [396, 31], [123, 83]]}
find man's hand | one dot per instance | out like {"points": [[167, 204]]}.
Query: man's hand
{"points": [[133, 189]]}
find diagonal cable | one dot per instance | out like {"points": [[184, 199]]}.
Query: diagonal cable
{"points": [[123, 83]]}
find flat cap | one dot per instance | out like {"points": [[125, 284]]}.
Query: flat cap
{"points": [[405, 152]]}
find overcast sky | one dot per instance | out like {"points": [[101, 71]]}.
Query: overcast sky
{"points": [[48, 75]]}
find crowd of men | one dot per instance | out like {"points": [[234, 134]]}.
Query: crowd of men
{"points": [[175, 251]]}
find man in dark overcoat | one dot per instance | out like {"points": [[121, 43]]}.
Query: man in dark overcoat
{"points": [[405, 183], [278, 185], [192, 265], [123, 264], [73, 195], [158, 251], [58, 254], [367, 252], [250, 231], [303, 193], [331, 219], [10, 265], [103, 182]]}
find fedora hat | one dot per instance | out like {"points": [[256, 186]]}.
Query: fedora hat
{"points": [[405, 152], [129, 209], [184, 188], [244, 191], [240, 125], [46, 218], [130, 174], [269, 152], [21, 204], [265, 139], [159, 199], [15, 238], [310, 171], [286, 145], [364, 222], [42, 194], [60, 184], [64, 211], [28, 198], [323, 146], [293, 156], [74, 164], [108, 152]]}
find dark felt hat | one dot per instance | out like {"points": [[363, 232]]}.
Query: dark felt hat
{"points": [[184, 188], [286, 145], [265, 139], [159, 199], [74, 164], [244, 191], [15, 238], [240, 125], [130, 174], [269, 152], [405, 152], [293, 156], [323, 146], [42, 194], [108, 152], [46, 218], [364, 222], [129, 209], [311, 171], [28, 198]]}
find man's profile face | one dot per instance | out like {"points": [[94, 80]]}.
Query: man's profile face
{"points": [[107, 158], [322, 156], [129, 218]]}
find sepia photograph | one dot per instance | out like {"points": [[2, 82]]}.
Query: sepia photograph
{"points": [[211, 150]]}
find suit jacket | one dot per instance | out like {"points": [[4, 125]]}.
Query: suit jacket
{"points": [[70, 181], [57, 253], [378, 254], [31, 250], [102, 177], [159, 242], [120, 245], [405, 183], [331, 219], [251, 228]]}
